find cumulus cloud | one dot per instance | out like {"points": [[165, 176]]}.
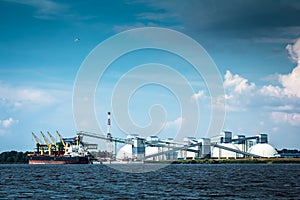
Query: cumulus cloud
{"points": [[282, 117], [289, 83], [17, 97], [294, 51], [236, 83], [238, 91], [175, 123], [5, 124], [8, 122], [287, 92], [273, 91], [198, 95]]}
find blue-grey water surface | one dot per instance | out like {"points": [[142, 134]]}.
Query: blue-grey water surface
{"points": [[228, 181]]}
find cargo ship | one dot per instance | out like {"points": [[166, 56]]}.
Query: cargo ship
{"points": [[42, 159], [67, 151]]}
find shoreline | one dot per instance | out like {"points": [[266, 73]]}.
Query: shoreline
{"points": [[232, 161], [209, 161]]}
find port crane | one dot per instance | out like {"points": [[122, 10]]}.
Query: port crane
{"points": [[38, 144], [53, 141], [47, 143]]}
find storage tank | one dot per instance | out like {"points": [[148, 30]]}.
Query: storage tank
{"points": [[125, 152], [263, 150]]}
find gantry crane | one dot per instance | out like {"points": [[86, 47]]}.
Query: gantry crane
{"points": [[38, 144], [47, 143], [53, 141]]}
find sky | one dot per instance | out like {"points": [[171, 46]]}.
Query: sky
{"points": [[254, 44]]}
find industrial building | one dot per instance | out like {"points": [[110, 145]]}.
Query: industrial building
{"points": [[220, 146], [153, 148], [256, 145]]}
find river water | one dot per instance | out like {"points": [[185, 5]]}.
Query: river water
{"points": [[218, 181]]}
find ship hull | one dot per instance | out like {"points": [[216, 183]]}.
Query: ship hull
{"points": [[57, 160]]}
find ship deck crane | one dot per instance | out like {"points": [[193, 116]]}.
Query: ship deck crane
{"points": [[53, 141], [62, 141], [47, 143], [38, 144]]}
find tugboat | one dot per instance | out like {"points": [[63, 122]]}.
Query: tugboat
{"points": [[67, 151]]}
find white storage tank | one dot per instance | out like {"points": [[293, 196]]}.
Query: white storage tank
{"points": [[263, 150], [125, 152]]}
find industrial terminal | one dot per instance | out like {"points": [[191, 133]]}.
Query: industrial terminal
{"points": [[191, 148], [134, 148], [152, 148]]}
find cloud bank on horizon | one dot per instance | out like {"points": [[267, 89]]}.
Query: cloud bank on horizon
{"points": [[257, 53]]}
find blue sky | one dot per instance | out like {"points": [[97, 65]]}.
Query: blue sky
{"points": [[255, 45]]}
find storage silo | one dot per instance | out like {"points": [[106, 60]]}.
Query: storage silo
{"points": [[205, 147], [264, 150]]}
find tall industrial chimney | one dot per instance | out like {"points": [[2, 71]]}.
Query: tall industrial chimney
{"points": [[108, 125]]}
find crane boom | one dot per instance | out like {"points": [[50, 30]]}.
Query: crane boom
{"points": [[61, 139], [38, 144], [36, 139], [47, 143], [45, 139], [53, 141]]}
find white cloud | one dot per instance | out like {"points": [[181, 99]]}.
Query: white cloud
{"points": [[18, 97], [120, 28], [294, 51], [289, 82], [46, 9], [286, 108], [282, 117], [8, 122], [287, 93], [198, 95], [175, 124], [238, 91], [273, 91], [237, 84]]}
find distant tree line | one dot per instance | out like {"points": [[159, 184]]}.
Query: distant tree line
{"points": [[13, 157]]}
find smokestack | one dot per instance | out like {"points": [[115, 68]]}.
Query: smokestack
{"points": [[108, 125]]}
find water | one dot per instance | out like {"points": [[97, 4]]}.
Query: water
{"points": [[234, 181]]}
